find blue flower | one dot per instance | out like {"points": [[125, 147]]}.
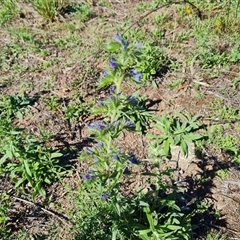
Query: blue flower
{"points": [[121, 40], [132, 100], [139, 45], [111, 89], [129, 124], [89, 175], [113, 97], [100, 125], [104, 73], [115, 158], [91, 126], [136, 75], [97, 125], [100, 103], [113, 62], [132, 159], [89, 151], [104, 197], [95, 159], [126, 171]]}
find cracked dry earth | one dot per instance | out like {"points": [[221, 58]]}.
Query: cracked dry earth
{"points": [[195, 174]]}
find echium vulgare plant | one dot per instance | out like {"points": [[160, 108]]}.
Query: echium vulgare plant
{"points": [[106, 212], [109, 162]]}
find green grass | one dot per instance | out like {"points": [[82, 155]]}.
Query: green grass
{"points": [[49, 9], [9, 10]]}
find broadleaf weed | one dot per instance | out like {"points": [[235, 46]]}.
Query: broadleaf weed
{"points": [[27, 160], [15, 105], [176, 131]]}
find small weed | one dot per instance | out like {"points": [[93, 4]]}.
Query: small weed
{"points": [[210, 57], [176, 83], [8, 10], [222, 112], [161, 19], [23, 157], [24, 35], [15, 105], [222, 174], [147, 6], [235, 83], [49, 84], [199, 95], [81, 10], [75, 110], [183, 36], [151, 61], [34, 163], [219, 140], [53, 103], [202, 206], [61, 42], [45, 135], [176, 131]]}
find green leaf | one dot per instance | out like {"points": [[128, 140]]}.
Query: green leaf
{"points": [[143, 204], [149, 217], [38, 190], [181, 116], [192, 137], [184, 147], [166, 148], [113, 46], [26, 166], [114, 234], [3, 159], [117, 208], [20, 182], [56, 155], [151, 136], [47, 180], [174, 227], [19, 115], [144, 233], [105, 81]]}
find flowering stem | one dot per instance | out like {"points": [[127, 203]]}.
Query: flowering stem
{"points": [[113, 115], [118, 83], [109, 143]]}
